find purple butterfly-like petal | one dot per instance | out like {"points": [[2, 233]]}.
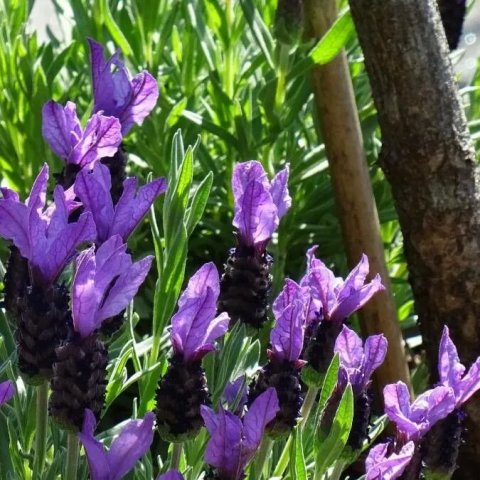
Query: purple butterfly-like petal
{"points": [[381, 466], [7, 391]]}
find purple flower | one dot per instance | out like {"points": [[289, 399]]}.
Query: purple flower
{"points": [[7, 391], [125, 451], [62, 131], [415, 419], [105, 282], [382, 466], [93, 188], [234, 441], [43, 236], [360, 361], [334, 298], [116, 93], [194, 326], [290, 309], [452, 372], [259, 204], [171, 475], [236, 394]]}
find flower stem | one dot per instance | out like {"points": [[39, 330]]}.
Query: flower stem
{"points": [[283, 61], [337, 470], [41, 430], [73, 449], [262, 455], [176, 456], [308, 403]]}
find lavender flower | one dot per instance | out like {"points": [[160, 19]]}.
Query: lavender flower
{"points": [[259, 204], [125, 451], [234, 441], [62, 131], [384, 465], [93, 188], [194, 326], [171, 475], [414, 420], [43, 236], [116, 93], [336, 299], [452, 372], [104, 284], [7, 391]]}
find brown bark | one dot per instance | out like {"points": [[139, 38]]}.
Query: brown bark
{"points": [[428, 158], [337, 112]]}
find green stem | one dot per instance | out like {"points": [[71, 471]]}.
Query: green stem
{"points": [[307, 406], [176, 456], [337, 470], [73, 449], [283, 61], [40, 430], [262, 455]]}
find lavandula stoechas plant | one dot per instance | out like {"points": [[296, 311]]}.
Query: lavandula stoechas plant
{"points": [[195, 327], [259, 206], [47, 241], [105, 282], [282, 370], [233, 440], [333, 300]]}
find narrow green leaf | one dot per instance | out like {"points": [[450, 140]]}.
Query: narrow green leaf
{"points": [[115, 31], [198, 203], [329, 382], [298, 469], [334, 40]]}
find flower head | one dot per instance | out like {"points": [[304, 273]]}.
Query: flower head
{"points": [[116, 93], [105, 282], [62, 131], [7, 391], [359, 360], [259, 203], [234, 441], [194, 326], [125, 451], [414, 420], [44, 236], [382, 466], [93, 188], [452, 372], [290, 309], [336, 299]]}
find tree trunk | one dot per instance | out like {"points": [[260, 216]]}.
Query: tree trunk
{"points": [[428, 157], [337, 112]]}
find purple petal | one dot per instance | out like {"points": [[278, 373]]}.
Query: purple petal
{"points": [[142, 100], [243, 174], [9, 194], [210, 418], [171, 475], [350, 348], [14, 225], [279, 192], [261, 412], [93, 189], [255, 214], [287, 335], [101, 138], [355, 279], [38, 195], [236, 392], [356, 300], [291, 291], [397, 407], [469, 384], [124, 289], [60, 127], [132, 443], [381, 467], [376, 347], [7, 391], [133, 206], [225, 445], [94, 451]]}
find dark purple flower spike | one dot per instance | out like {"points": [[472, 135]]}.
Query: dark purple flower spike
{"points": [[61, 129], [93, 189], [234, 441], [131, 444], [282, 369], [7, 391], [383, 464], [117, 94], [195, 327]]}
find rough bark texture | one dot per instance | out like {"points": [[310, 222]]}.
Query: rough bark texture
{"points": [[428, 158], [354, 198]]}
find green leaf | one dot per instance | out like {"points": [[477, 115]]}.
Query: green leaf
{"points": [[115, 31], [198, 203], [334, 40], [298, 469], [329, 382]]}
